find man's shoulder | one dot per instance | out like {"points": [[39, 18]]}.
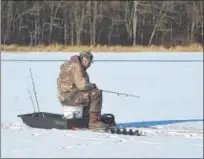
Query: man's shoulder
{"points": [[71, 65], [74, 64]]}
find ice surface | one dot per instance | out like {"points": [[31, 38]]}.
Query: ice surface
{"points": [[167, 90]]}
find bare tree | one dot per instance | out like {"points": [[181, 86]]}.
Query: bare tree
{"points": [[101, 22], [160, 17], [135, 4], [195, 18], [78, 10], [93, 17], [9, 20]]}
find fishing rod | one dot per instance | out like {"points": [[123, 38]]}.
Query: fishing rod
{"points": [[34, 90], [31, 99], [118, 93]]}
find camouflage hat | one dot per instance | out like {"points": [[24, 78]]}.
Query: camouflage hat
{"points": [[88, 55]]}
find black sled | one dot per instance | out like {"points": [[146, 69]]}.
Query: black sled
{"points": [[45, 120]]}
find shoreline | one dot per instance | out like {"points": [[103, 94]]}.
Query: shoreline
{"points": [[99, 48]]}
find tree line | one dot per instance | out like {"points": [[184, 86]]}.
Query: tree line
{"points": [[101, 22]]}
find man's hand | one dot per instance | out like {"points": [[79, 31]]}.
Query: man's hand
{"points": [[94, 86]]}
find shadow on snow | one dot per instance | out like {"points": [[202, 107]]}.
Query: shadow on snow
{"points": [[156, 123]]}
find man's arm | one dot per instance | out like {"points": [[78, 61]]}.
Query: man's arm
{"points": [[81, 82]]}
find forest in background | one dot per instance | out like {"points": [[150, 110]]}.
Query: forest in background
{"points": [[127, 23]]}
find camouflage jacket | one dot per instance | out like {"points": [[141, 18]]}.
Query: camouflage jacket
{"points": [[72, 77]]}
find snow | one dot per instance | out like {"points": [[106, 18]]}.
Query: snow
{"points": [[169, 91]]}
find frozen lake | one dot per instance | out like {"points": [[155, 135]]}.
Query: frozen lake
{"points": [[168, 91]]}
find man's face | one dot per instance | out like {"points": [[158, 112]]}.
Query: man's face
{"points": [[86, 63]]}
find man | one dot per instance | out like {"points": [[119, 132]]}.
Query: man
{"points": [[75, 88]]}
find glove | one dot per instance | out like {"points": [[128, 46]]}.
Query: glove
{"points": [[94, 85]]}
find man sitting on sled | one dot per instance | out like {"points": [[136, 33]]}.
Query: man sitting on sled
{"points": [[75, 88]]}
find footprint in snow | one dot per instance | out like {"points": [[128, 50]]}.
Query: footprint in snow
{"points": [[65, 147], [120, 140], [68, 135], [36, 134]]}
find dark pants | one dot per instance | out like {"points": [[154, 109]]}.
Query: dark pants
{"points": [[91, 98]]}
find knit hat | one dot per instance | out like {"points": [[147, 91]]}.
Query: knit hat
{"points": [[88, 55]]}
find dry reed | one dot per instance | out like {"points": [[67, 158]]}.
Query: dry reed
{"points": [[99, 48]]}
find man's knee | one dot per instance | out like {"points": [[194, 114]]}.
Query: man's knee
{"points": [[96, 94], [81, 97]]}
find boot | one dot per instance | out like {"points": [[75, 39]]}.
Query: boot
{"points": [[95, 123]]}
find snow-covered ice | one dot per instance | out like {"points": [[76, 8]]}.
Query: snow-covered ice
{"points": [[167, 90]]}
